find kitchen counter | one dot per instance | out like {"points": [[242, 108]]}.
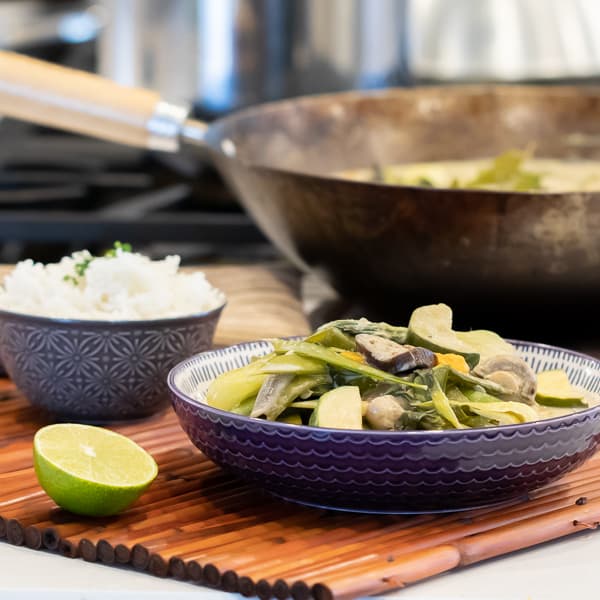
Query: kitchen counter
{"points": [[266, 303]]}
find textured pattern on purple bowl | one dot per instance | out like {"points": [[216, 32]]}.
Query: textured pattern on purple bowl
{"points": [[378, 471], [99, 371]]}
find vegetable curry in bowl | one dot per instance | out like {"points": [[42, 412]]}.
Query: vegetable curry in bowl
{"points": [[355, 374], [372, 417]]}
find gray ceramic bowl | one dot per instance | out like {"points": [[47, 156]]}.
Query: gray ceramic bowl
{"points": [[99, 371], [389, 471]]}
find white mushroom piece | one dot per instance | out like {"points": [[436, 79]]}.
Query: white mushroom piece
{"points": [[383, 412], [512, 373]]}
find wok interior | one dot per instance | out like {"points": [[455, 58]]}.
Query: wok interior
{"points": [[324, 134]]}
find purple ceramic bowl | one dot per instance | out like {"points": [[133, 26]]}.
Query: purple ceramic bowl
{"points": [[99, 371], [390, 472]]}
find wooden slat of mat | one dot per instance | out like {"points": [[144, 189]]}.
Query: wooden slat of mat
{"points": [[196, 522]]}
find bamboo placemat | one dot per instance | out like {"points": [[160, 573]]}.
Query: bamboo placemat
{"points": [[199, 523]]}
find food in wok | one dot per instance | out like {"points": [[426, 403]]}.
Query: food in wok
{"points": [[514, 170]]}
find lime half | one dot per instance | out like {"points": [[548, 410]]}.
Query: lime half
{"points": [[90, 470]]}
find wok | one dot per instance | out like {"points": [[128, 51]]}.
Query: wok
{"points": [[385, 246]]}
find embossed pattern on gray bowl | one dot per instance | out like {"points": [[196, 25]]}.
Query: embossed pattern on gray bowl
{"points": [[99, 371], [395, 471]]}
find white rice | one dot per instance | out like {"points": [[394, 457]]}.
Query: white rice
{"points": [[128, 286]]}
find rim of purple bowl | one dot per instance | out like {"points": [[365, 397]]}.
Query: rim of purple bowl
{"points": [[113, 322], [560, 420]]}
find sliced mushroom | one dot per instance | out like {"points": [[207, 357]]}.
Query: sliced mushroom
{"points": [[512, 373], [383, 412], [392, 357]]}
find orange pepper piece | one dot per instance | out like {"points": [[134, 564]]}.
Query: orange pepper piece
{"points": [[456, 361]]}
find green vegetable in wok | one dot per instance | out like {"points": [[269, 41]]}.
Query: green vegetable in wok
{"points": [[513, 170], [344, 375], [506, 172]]}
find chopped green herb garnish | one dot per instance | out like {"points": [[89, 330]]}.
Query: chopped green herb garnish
{"points": [[124, 247], [72, 279], [82, 266], [80, 269]]}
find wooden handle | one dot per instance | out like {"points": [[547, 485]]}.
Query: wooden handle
{"points": [[47, 94]]}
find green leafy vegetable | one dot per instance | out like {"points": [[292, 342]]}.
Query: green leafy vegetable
{"points": [[336, 359], [332, 336], [294, 364], [244, 407], [504, 413], [230, 389], [467, 379], [435, 379], [356, 326]]}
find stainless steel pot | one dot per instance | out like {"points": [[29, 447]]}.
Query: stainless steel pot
{"points": [[225, 54], [29, 24], [504, 40]]}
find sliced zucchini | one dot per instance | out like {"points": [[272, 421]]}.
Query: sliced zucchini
{"points": [[555, 389], [485, 343], [340, 408], [431, 327]]}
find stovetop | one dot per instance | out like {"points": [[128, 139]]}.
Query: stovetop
{"points": [[60, 192]]}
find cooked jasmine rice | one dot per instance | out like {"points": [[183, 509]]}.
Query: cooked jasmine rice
{"points": [[123, 286]]}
